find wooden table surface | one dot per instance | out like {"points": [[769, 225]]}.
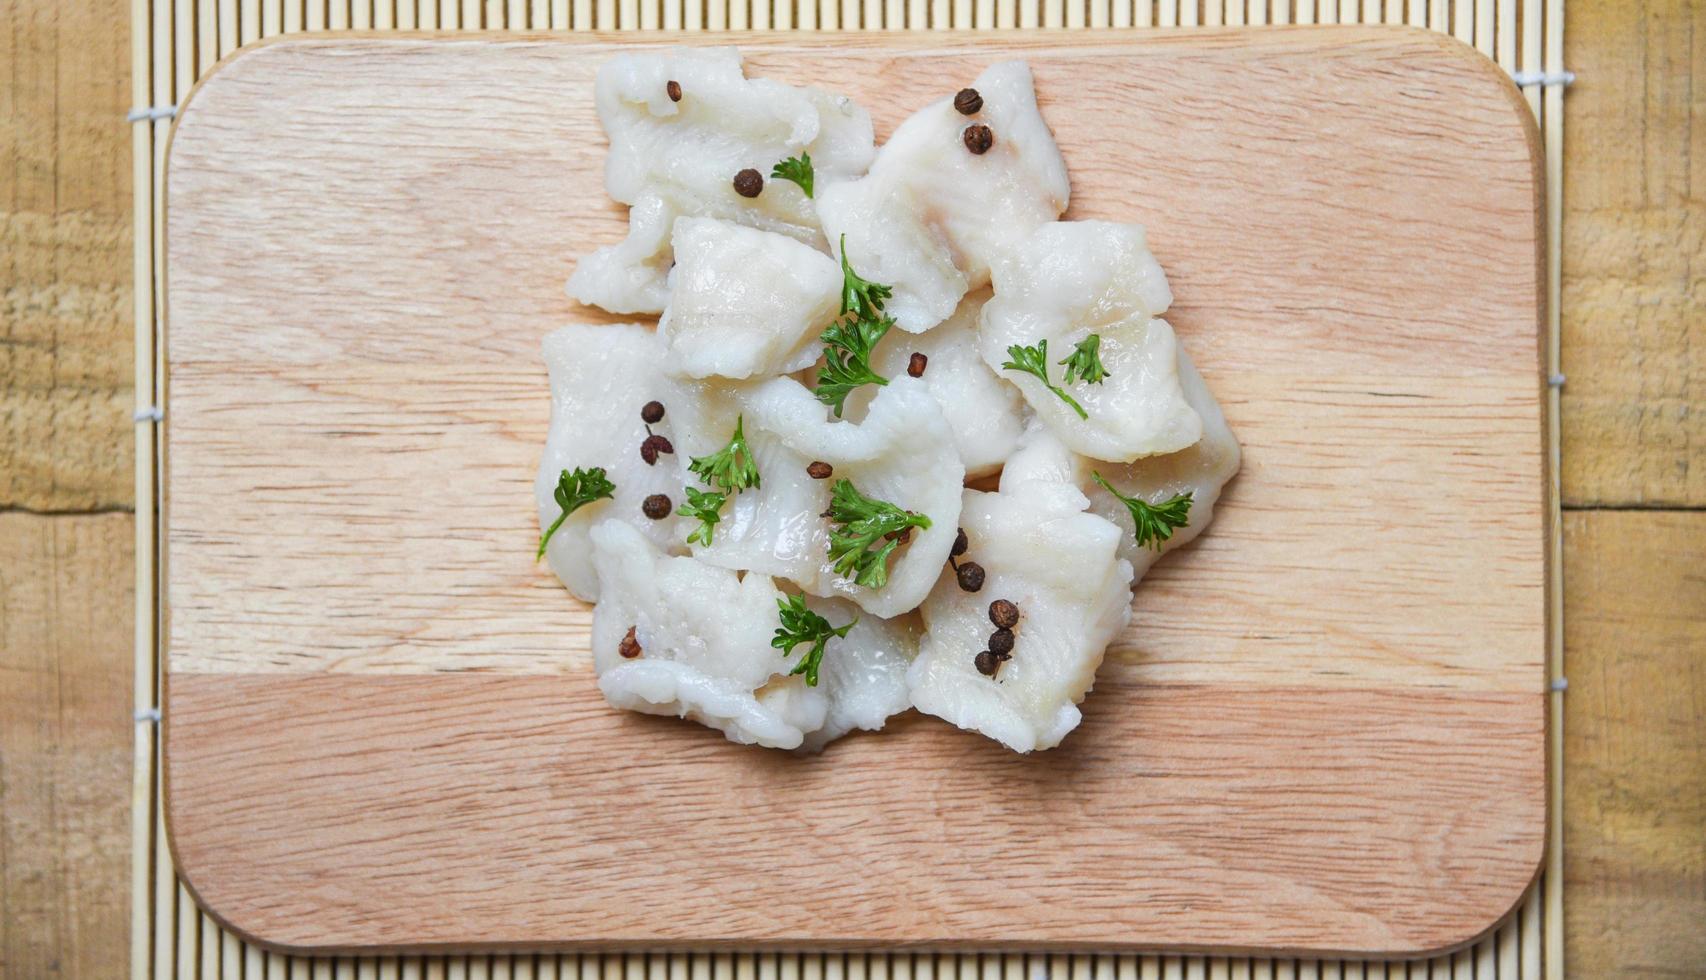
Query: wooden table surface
{"points": [[1634, 417]]}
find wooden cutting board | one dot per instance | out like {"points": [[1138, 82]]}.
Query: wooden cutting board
{"points": [[1323, 731]]}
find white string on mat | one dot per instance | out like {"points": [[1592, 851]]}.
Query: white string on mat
{"points": [[147, 716], [151, 413], [1543, 78], [1556, 380], [1561, 684], [150, 113]]}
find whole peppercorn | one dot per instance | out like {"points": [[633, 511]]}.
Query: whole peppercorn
{"points": [[656, 507], [970, 574], [1004, 614], [960, 544], [968, 102], [749, 182], [629, 647], [979, 139], [1001, 641], [654, 445], [916, 364], [820, 470], [674, 89], [651, 413], [987, 663]]}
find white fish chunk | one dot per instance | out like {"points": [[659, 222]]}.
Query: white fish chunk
{"points": [[745, 302], [862, 682], [600, 377], [932, 218], [672, 159], [1060, 566], [984, 411], [903, 452], [1071, 279], [1201, 470], [704, 635]]}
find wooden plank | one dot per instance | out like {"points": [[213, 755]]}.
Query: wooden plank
{"points": [[1634, 223], [65, 246], [1428, 411], [1635, 789], [65, 745]]}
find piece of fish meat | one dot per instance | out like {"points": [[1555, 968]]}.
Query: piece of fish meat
{"points": [[862, 682], [984, 411], [673, 159], [931, 218], [903, 452], [1071, 279], [745, 302], [1060, 565]]}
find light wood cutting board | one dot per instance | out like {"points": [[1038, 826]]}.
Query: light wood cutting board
{"points": [[1322, 732]]}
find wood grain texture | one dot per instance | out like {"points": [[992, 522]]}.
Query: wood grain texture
{"points": [[1635, 713], [1634, 233], [356, 296], [65, 730], [65, 246]]}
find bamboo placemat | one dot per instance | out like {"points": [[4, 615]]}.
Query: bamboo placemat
{"points": [[173, 42]]}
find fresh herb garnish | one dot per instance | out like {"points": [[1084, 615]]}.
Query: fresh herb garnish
{"points": [[1085, 361], [864, 298], [847, 346], [1155, 522], [1034, 360], [801, 625], [865, 522], [731, 468], [797, 169], [574, 491], [702, 506]]}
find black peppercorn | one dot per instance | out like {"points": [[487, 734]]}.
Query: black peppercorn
{"points": [[654, 445], [968, 102], [970, 574], [629, 647], [1001, 641], [987, 663], [960, 544], [656, 507], [674, 90], [979, 139], [749, 182], [1004, 614], [916, 364], [651, 413], [820, 470]]}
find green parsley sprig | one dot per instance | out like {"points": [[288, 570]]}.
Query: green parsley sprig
{"points": [[1034, 361], [1085, 361], [703, 506], [730, 468], [574, 491], [862, 297], [1155, 522], [801, 625], [847, 347], [870, 530], [797, 169]]}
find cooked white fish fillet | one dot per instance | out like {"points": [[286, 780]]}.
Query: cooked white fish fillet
{"points": [[703, 634], [672, 159], [985, 412], [1200, 469], [600, 377], [862, 681], [745, 302], [1071, 279], [1060, 566], [903, 452], [932, 218]]}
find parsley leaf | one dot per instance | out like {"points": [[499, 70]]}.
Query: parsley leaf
{"points": [[801, 625], [865, 522], [1155, 522], [1034, 360], [797, 169], [862, 297], [702, 506], [847, 346], [731, 467], [574, 491], [1085, 361]]}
